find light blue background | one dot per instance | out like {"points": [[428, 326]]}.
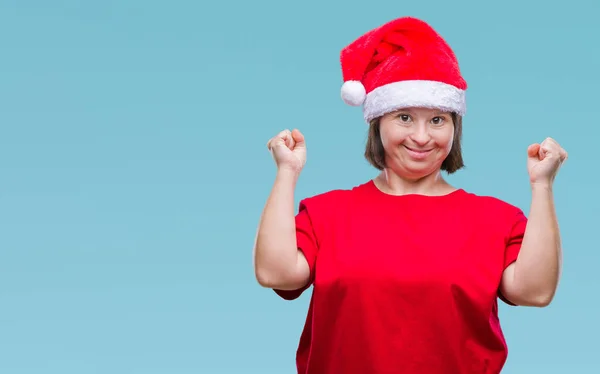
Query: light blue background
{"points": [[134, 170]]}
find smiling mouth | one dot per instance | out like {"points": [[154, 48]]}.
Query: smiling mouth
{"points": [[418, 150]]}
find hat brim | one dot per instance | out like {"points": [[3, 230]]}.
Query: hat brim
{"points": [[414, 94]]}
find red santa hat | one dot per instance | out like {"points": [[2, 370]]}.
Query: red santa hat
{"points": [[404, 63]]}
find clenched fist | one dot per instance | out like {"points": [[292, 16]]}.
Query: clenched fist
{"points": [[289, 150], [544, 160]]}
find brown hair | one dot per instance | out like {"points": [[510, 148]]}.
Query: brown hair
{"points": [[375, 154]]}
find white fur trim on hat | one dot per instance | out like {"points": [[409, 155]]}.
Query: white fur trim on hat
{"points": [[415, 93]]}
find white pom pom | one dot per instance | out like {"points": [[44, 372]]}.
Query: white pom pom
{"points": [[353, 93]]}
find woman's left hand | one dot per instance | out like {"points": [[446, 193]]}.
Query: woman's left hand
{"points": [[544, 160]]}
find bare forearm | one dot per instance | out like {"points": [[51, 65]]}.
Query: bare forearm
{"points": [[537, 269], [275, 252]]}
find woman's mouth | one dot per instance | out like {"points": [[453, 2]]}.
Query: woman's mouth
{"points": [[418, 154]]}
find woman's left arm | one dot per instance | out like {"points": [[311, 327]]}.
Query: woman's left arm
{"points": [[533, 278]]}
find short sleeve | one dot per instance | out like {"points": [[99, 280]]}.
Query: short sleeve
{"points": [[513, 243], [515, 238], [307, 243]]}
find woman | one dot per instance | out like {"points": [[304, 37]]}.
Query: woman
{"points": [[407, 269]]}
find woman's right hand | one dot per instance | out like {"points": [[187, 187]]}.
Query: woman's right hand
{"points": [[289, 150]]}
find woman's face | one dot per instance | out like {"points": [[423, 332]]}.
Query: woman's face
{"points": [[416, 140]]}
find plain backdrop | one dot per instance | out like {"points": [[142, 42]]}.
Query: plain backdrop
{"points": [[133, 169]]}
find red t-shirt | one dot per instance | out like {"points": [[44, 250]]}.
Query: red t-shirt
{"points": [[404, 284]]}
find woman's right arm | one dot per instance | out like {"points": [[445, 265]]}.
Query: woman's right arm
{"points": [[278, 263]]}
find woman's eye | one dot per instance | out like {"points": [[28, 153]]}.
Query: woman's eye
{"points": [[404, 117], [437, 120]]}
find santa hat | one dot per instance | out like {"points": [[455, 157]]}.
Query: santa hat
{"points": [[404, 63]]}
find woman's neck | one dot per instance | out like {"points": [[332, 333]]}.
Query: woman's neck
{"points": [[393, 184]]}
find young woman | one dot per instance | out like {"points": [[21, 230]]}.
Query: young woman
{"points": [[407, 269]]}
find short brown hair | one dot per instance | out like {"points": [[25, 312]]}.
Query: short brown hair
{"points": [[375, 154]]}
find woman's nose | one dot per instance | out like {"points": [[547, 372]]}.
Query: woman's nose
{"points": [[420, 134]]}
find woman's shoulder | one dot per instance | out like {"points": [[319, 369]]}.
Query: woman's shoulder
{"points": [[334, 197], [491, 204]]}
